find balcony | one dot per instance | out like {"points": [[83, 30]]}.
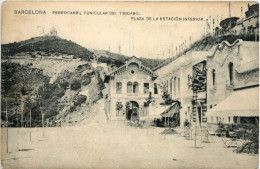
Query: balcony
{"points": [[133, 95]]}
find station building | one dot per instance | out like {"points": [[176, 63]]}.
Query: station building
{"points": [[127, 90]]}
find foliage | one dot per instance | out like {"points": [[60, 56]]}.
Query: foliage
{"points": [[86, 80], [252, 146], [55, 45], [75, 85], [47, 44], [79, 100], [119, 59], [64, 84], [49, 94], [40, 96], [119, 106]]}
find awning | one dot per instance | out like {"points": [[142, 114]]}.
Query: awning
{"points": [[155, 112], [243, 103], [171, 110]]}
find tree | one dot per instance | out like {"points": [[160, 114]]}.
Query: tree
{"points": [[75, 85], [119, 107]]}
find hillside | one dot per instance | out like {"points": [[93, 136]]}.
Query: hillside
{"points": [[119, 59], [57, 79], [49, 45], [74, 91], [209, 42], [54, 46]]}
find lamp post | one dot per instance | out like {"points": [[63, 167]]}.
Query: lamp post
{"points": [[198, 85]]}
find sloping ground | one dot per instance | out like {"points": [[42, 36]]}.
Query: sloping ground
{"points": [[47, 44], [59, 76], [51, 66], [86, 114], [119, 59], [61, 88], [208, 43]]}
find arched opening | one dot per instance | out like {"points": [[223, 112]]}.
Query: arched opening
{"points": [[230, 73], [135, 87], [213, 77], [129, 87], [132, 110]]}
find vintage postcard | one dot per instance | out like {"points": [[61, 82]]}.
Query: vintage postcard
{"points": [[129, 85]]}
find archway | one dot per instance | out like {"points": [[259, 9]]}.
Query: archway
{"points": [[132, 110]]}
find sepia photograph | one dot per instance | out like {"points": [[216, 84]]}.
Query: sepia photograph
{"points": [[130, 85]]}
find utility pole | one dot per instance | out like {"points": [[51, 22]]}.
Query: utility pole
{"points": [[6, 82], [241, 12], [119, 49], [17, 120], [129, 45], [42, 123], [133, 45], [30, 125], [22, 109], [6, 126], [229, 10]]}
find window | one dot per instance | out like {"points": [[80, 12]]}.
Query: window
{"points": [[228, 118], [188, 81], [179, 85], [129, 87], [235, 119], [171, 86], [167, 86], [230, 73], [213, 78], [210, 106], [118, 88], [146, 88], [174, 84], [135, 87], [155, 88], [146, 109]]}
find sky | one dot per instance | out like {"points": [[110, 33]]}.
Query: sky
{"points": [[142, 38]]}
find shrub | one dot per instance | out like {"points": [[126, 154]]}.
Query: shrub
{"points": [[86, 80], [64, 85], [80, 99], [75, 85]]}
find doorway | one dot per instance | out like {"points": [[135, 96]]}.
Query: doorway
{"points": [[132, 110]]}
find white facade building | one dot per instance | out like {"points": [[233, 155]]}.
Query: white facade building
{"points": [[127, 90], [233, 82], [177, 76]]}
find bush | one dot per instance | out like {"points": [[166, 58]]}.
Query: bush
{"points": [[86, 80], [80, 99], [75, 85], [64, 85]]}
